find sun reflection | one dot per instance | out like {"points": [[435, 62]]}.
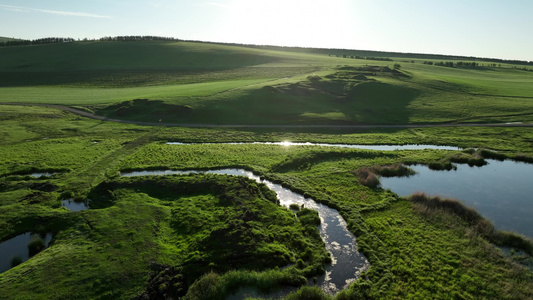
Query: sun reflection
{"points": [[285, 143]]}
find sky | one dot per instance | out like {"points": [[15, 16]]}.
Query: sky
{"points": [[482, 28]]}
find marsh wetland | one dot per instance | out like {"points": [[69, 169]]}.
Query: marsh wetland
{"points": [[150, 211], [501, 190]]}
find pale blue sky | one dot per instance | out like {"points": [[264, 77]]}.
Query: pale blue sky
{"points": [[485, 28]]}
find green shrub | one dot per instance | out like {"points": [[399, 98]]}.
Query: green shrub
{"points": [[207, 287], [366, 177], [492, 155], [294, 206], [308, 216], [67, 194]]}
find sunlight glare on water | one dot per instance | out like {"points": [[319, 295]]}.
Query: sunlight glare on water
{"points": [[285, 143]]}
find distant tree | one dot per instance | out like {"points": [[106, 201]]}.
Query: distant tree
{"points": [[397, 67]]}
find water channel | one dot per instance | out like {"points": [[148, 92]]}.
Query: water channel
{"points": [[18, 247], [347, 263], [501, 191], [367, 147]]}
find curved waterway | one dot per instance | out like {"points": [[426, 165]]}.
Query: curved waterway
{"points": [[347, 263], [368, 147], [18, 247], [501, 191]]}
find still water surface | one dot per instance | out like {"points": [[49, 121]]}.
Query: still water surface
{"points": [[72, 205], [368, 147], [18, 246], [501, 191]]}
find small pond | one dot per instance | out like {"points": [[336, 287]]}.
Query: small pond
{"points": [[368, 147], [347, 263], [41, 174], [73, 205], [18, 247], [501, 191]]}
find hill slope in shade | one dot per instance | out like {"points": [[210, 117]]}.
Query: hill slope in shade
{"points": [[191, 82]]}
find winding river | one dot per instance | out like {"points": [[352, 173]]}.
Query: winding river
{"points": [[347, 263]]}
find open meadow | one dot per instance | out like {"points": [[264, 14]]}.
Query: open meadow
{"points": [[205, 236], [186, 82]]}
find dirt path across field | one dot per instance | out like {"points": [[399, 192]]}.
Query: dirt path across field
{"points": [[316, 126]]}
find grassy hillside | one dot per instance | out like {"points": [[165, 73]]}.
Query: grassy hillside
{"points": [[211, 83], [6, 39]]}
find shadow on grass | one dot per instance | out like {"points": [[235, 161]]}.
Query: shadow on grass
{"points": [[311, 102], [306, 160]]}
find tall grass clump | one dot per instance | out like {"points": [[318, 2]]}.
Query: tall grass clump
{"points": [[492, 155], [523, 158], [264, 281], [441, 165], [468, 214], [367, 177], [308, 216], [476, 159], [208, 286], [215, 286], [396, 170], [308, 293]]}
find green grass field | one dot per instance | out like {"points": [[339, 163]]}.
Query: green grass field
{"points": [[223, 84], [95, 256], [174, 236]]}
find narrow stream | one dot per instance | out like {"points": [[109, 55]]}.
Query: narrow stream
{"points": [[347, 263], [368, 147], [18, 247]]}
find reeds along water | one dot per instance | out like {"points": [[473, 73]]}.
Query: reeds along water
{"points": [[477, 222]]}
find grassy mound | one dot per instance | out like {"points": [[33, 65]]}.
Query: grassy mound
{"points": [[221, 224]]}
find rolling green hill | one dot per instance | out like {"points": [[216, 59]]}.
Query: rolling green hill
{"points": [[194, 82], [6, 39]]}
